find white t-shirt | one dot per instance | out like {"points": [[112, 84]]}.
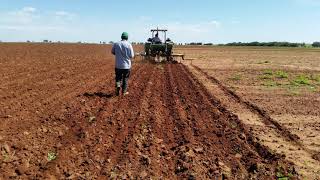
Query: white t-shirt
{"points": [[124, 52]]}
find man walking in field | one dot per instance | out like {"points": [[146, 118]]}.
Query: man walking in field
{"points": [[123, 52]]}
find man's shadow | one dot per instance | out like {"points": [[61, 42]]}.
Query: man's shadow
{"points": [[98, 94]]}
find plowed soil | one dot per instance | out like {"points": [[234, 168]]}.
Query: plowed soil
{"points": [[262, 87], [60, 119]]}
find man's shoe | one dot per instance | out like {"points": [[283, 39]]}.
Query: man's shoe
{"points": [[125, 93], [117, 91]]}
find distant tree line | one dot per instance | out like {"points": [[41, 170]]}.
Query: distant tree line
{"points": [[256, 43], [195, 43], [316, 44], [137, 43], [272, 44], [267, 44]]}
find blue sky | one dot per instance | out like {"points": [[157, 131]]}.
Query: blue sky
{"points": [[214, 21]]}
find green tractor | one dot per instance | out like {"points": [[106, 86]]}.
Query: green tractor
{"points": [[159, 50]]}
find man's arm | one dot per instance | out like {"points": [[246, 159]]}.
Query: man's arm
{"points": [[113, 50], [131, 52]]}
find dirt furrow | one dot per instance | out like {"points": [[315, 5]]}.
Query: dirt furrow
{"points": [[126, 158], [144, 154], [267, 134], [53, 105], [183, 132], [127, 139], [163, 124], [263, 114], [78, 82], [98, 137], [89, 122], [235, 144], [267, 119], [169, 127]]}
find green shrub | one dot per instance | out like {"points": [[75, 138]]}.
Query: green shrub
{"points": [[301, 80], [281, 74], [268, 72]]}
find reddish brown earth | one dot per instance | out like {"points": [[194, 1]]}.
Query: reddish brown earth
{"points": [[58, 99], [281, 113]]}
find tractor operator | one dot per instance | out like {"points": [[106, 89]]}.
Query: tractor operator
{"points": [[123, 52], [156, 39]]}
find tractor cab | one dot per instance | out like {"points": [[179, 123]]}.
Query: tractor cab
{"points": [[158, 44], [159, 47], [155, 39]]}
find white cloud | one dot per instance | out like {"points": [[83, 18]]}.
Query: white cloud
{"points": [[31, 16], [61, 13], [64, 15], [34, 24], [31, 23], [215, 23], [23, 16], [28, 10], [179, 31]]}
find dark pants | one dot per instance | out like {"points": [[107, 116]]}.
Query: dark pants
{"points": [[122, 75]]}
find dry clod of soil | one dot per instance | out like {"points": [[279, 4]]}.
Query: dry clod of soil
{"points": [[316, 156], [145, 160], [92, 119], [199, 150]]}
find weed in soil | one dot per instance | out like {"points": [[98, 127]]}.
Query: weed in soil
{"points": [[52, 156], [266, 74], [301, 80], [281, 74]]}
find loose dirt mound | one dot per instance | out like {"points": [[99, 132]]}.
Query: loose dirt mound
{"points": [[169, 127]]}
